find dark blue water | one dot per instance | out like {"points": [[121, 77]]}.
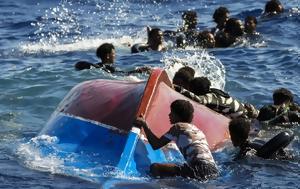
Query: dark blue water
{"points": [[41, 41]]}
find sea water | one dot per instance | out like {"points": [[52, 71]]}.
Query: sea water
{"points": [[41, 40]]}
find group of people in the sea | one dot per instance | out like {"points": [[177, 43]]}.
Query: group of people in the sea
{"points": [[244, 118], [190, 140]]}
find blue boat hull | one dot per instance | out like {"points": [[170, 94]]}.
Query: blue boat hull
{"points": [[107, 146]]}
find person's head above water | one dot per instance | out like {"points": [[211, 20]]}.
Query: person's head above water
{"points": [[183, 77], [273, 7], [181, 111], [282, 95], [220, 16], [190, 19], [106, 52], [188, 69], [206, 39], [239, 129], [234, 27], [155, 38], [200, 85], [250, 24]]}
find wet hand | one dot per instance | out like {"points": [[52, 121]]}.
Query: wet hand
{"points": [[140, 122], [144, 69]]}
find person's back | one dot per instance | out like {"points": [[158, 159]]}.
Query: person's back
{"points": [[218, 100], [190, 141], [193, 145]]}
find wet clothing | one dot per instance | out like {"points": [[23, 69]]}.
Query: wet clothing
{"points": [[259, 150], [221, 102], [108, 68], [279, 114], [246, 147], [136, 48], [193, 145], [81, 65], [198, 170]]}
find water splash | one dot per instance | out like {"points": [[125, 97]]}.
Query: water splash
{"points": [[44, 153], [84, 25], [204, 64]]}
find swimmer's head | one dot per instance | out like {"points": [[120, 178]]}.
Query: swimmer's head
{"points": [[282, 95], [206, 39], [220, 16], [155, 37], [106, 52], [250, 24], [181, 111], [200, 85], [273, 7], [239, 129], [190, 19], [234, 27], [183, 77]]}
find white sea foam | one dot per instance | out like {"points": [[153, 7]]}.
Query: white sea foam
{"points": [[43, 153], [204, 64], [79, 45]]}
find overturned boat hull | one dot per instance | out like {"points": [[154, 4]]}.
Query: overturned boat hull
{"points": [[95, 120]]}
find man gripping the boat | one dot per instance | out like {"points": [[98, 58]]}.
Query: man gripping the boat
{"points": [[190, 140]]}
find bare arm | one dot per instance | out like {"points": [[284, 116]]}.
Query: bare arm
{"points": [[154, 141]]}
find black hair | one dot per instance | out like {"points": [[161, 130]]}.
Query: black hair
{"points": [[184, 109], [273, 6], [220, 12], [153, 32], [190, 19], [187, 69], [282, 95], [222, 39], [267, 112], [182, 78], [239, 128], [200, 85], [189, 14], [248, 18], [234, 27], [104, 49], [203, 39]]}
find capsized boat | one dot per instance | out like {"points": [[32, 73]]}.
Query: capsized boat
{"points": [[96, 118]]}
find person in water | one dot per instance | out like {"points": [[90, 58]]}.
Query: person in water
{"points": [[220, 17], [187, 34], [155, 42], [206, 39], [233, 31], [107, 54], [216, 99], [239, 129], [183, 77], [283, 110], [273, 7], [189, 29], [250, 25], [190, 140]]}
